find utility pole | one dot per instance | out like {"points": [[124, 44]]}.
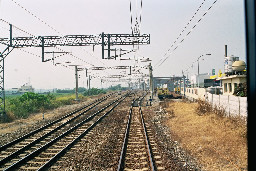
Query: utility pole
{"points": [[76, 77], [198, 84], [180, 86], [151, 80], [198, 68], [184, 80], [184, 85], [76, 83], [89, 84]]}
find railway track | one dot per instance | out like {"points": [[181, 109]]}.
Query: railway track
{"points": [[136, 151], [42, 147]]}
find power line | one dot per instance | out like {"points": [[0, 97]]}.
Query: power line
{"points": [[51, 27], [41, 57], [169, 52], [39, 19], [180, 34], [22, 30]]}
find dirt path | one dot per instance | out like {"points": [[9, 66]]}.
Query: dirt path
{"points": [[218, 143]]}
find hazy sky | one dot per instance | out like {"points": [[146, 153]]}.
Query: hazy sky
{"points": [[163, 20]]}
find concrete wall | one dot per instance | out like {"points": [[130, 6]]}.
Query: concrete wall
{"points": [[194, 93], [233, 105]]}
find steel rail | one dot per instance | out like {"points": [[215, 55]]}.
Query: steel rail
{"points": [[149, 149], [44, 147], [125, 142], [50, 124], [16, 153], [121, 163], [64, 150]]}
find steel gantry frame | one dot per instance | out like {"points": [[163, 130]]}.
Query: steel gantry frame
{"points": [[68, 40]]}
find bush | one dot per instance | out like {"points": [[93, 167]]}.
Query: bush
{"points": [[94, 91], [30, 102], [241, 90], [203, 107]]}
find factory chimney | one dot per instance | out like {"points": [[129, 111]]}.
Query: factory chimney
{"points": [[226, 50]]}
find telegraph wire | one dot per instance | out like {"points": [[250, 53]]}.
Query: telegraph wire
{"points": [[164, 59]]}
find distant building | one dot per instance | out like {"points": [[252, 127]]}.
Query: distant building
{"points": [[26, 88], [12, 91], [202, 77]]}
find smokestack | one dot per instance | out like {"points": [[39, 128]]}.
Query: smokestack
{"points": [[226, 50]]}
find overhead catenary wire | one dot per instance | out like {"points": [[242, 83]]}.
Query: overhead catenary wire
{"points": [[32, 35], [135, 23], [52, 28], [138, 20], [171, 51], [22, 30], [21, 49], [140, 15], [131, 15], [40, 57]]}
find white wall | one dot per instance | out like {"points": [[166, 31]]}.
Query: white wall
{"points": [[194, 93], [233, 105]]}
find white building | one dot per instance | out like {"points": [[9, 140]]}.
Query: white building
{"points": [[230, 83], [26, 88], [12, 91], [202, 77]]}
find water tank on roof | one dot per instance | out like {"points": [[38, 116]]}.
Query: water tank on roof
{"points": [[238, 66], [229, 60]]}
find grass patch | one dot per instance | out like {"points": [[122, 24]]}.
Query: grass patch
{"points": [[28, 103], [219, 143]]}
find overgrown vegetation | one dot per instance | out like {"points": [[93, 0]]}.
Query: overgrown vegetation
{"points": [[206, 108], [22, 106], [203, 107], [117, 87], [80, 90], [94, 91], [28, 103], [241, 90], [219, 143]]}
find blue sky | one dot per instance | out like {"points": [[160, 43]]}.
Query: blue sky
{"points": [[163, 20]]}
